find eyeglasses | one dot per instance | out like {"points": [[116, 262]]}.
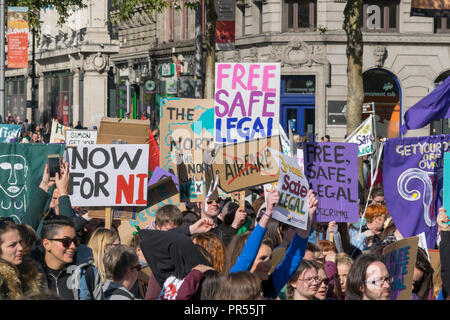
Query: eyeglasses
{"points": [[379, 202], [138, 267], [66, 242], [312, 279], [211, 201], [379, 282]]}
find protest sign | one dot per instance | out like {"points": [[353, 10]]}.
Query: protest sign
{"points": [[108, 175], [247, 101], [412, 180], [186, 134], [292, 208], [21, 168], [246, 164], [125, 130], [57, 133], [363, 136], [80, 137], [332, 170], [10, 132], [118, 213], [160, 174], [145, 218], [160, 191], [400, 259]]}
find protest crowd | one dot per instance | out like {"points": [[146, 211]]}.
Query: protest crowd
{"points": [[267, 239]]}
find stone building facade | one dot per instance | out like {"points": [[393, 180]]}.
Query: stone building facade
{"points": [[404, 58]]}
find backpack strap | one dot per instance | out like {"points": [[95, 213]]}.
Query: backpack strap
{"points": [[118, 291]]}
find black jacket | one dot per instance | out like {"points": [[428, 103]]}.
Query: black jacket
{"points": [[66, 282], [444, 249]]}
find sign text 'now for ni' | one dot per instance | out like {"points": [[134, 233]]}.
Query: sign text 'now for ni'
{"points": [[108, 175]]}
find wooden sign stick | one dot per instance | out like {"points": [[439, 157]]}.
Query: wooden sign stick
{"points": [[242, 200], [108, 218]]}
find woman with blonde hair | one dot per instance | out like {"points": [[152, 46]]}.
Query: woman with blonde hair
{"points": [[101, 241]]}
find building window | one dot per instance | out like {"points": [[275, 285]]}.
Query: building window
{"points": [[442, 25], [16, 97], [258, 21], [380, 16], [170, 23], [58, 95], [300, 14]]}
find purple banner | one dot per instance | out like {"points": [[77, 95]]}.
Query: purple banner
{"points": [[159, 174], [413, 178], [332, 170]]}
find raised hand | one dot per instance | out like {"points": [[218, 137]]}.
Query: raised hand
{"points": [[443, 218], [239, 218], [312, 203], [62, 181], [201, 226], [46, 184]]}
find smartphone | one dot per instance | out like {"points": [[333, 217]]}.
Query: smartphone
{"points": [[53, 161]]}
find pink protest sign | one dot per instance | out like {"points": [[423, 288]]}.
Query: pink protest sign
{"points": [[247, 101]]}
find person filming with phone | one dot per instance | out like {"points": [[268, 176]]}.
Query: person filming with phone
{"points": [[56, 174]]}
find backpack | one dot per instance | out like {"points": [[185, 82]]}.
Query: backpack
{"points": [[85, 282]]}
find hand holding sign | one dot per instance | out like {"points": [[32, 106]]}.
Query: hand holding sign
{"points": [[443, 219], [312, 204], [239, 218]]}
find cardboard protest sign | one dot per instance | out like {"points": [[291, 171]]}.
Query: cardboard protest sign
{"points": [[247, 101], [160, 191], [10, 132], [160, 174], [80, 137], [363, 136], [186, 133], [413, 180], [332, 170], [145, 218], [246, 164], [400, 259], [108, 175], [124, 130], [57, 133], [293, 187], [21, 169], [118, 213]]}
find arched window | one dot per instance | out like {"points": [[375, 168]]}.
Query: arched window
{"points": [[300, 14], [381, 87]]}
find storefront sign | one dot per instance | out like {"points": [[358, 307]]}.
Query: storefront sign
{"points": [[167, 69]]}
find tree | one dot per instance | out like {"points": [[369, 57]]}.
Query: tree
{"points": [[355, 90], [34, 7], [127, 8]]}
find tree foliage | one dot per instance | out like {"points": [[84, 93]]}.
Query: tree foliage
{"points": [[63, 7]]}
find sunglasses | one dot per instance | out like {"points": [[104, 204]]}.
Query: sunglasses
{"points": [[138, 267], [211, 201], [66, 242]]}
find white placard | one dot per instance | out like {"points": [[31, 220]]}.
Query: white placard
{"points": [[80, 137], [108, 175], [57, 134]]}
